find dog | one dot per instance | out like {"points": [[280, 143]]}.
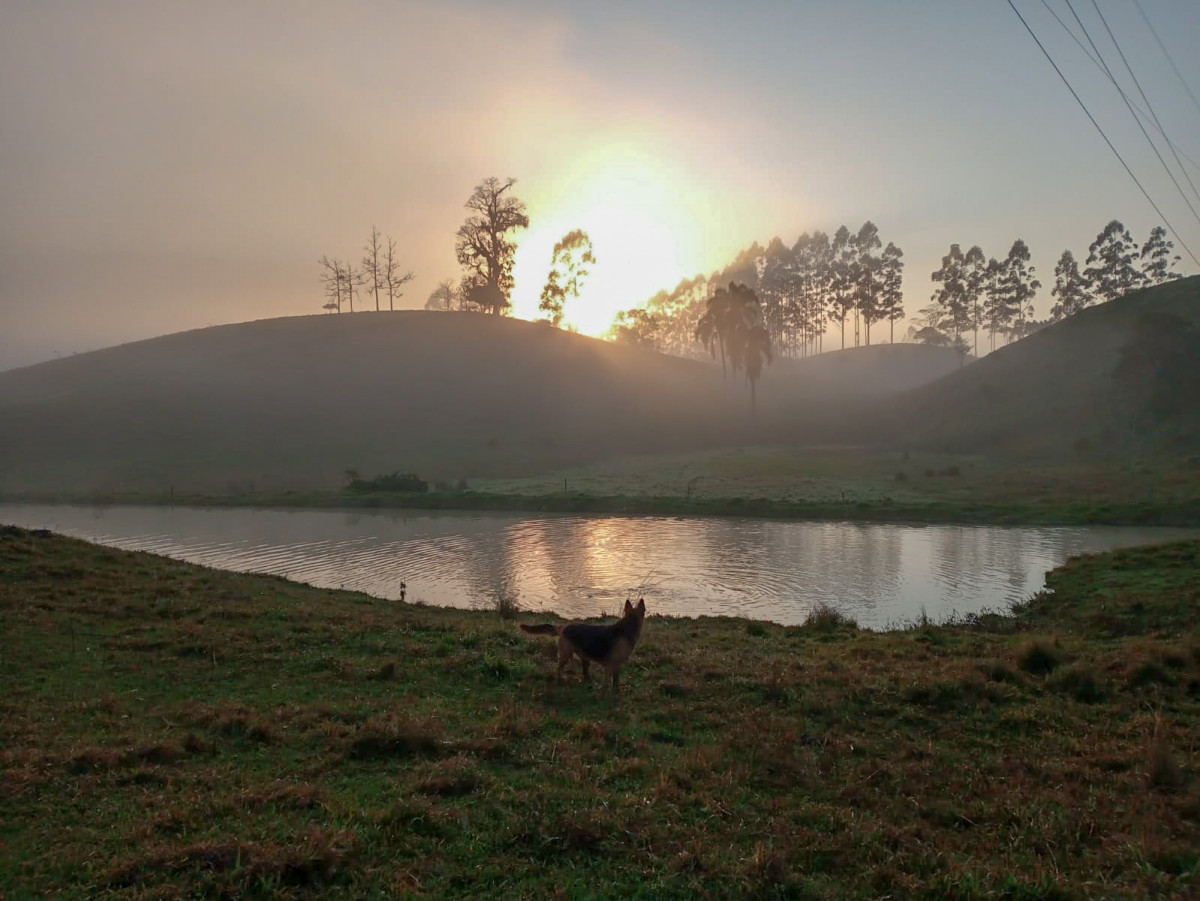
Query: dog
{"points": [[609, 646]]}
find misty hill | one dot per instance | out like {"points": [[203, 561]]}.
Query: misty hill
{"points": [[1121, 377], [293, 403]]}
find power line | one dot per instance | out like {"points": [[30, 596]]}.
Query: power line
{"points": [[1092, 118], [1129, 106], [1149, 106], [1166, 53], [1100, 65]]}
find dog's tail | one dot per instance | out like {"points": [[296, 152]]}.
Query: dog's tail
{"points": [[543, 629]]}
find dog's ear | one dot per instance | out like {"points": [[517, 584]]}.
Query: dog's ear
{"points": [[641, 605], [628, 607]]}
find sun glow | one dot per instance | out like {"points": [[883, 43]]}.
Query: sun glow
{"points": [[644, 236]]}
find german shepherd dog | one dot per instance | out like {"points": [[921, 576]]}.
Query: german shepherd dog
{"points": [[609, 646]]}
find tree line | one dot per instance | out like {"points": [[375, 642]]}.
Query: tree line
{"points": [[975, 292], [851, 281]]}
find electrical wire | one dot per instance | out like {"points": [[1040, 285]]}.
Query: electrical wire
{"points": [[1166, 53], [1146, 99], [1129, 106], [1099, 65], [1092, 118]]}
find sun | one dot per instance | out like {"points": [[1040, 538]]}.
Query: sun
{"points": [[644, 237]]}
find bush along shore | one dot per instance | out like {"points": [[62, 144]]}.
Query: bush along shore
{"points": [[168, 730]]}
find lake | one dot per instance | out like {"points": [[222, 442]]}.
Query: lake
{"points": [[881, 574]]}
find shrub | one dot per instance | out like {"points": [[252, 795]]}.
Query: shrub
{"points": [[1038, 657], [826, 618], [1079, 682], [396, 481]]}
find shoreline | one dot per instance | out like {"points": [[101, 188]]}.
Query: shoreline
{"points": [[1183, 514]]}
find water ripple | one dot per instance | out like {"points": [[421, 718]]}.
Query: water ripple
{"points": [[582, 566]]}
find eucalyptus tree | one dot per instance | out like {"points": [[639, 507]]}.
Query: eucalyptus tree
{"points": [[568, 268], [975, 283], [952, 295], [483, 246], [1070, 288], [841, 277], [891, 306], [1111, 271], [1020, 286], [868, 280], [1157, 259]]}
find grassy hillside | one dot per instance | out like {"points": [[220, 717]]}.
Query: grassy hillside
{"points": [[1120, 377], [168, 731], [292, 403]]}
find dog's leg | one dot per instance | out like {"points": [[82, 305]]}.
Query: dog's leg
{"points": [[564, 657], [586, 663]]}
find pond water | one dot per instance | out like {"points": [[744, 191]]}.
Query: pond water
{"points": [[881, 574]]}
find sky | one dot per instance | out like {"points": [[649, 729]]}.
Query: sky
{"points": [[171, 165]]}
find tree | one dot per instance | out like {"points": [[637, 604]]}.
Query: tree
{"points": [[567, 271], [331, 278], [392, 278], [891, 306], [1070, 288], [728, 312], [483, 248], [754, 350], [444, 296], [1110, 271], [868, 278], [372, 265], [841, 277], [1156, 257], [1020, 286], [975, 280], [636, 327], [952, 295]]}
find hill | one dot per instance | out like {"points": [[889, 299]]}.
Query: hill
{"points": [[293, 403], [1119, 378]]}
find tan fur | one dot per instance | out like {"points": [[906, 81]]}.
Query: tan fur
{"points": [[610, 646]]}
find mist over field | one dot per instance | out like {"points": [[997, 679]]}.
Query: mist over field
{"points": [[518, 449]]}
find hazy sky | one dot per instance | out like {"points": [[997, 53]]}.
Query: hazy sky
{"points": [[172, 165]]}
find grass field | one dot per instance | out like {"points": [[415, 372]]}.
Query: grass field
{"points": [[172, 731], [801, 483]]}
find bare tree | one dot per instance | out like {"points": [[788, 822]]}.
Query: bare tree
{"points": [[444, 296], [332, 277], [392, 278], [351, 278], [372, 265]]}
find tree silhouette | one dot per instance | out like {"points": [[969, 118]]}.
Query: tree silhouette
{"points": [[1110, 271], [952, 295], [373, 265], [1156, 257], [1020, 286], [331, 278], [636, 327], [841, 277], [891, 305], [483, 248], [754, 350], [1070, 288], [568, 269], [444, 296], [868, 280], [392, 279], [728, 313], [975, 283]]}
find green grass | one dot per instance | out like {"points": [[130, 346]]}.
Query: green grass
{"points": [[799, 483], [172, 731]]}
